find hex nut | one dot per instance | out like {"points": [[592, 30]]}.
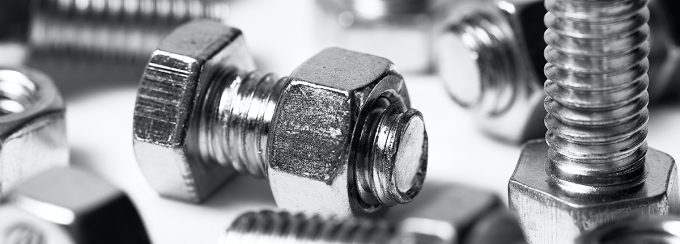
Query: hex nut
{"points": [[549, 214], [366, 26], [638, 229], [32, 125], [498, 47], [664, 56], [165, 121], [62, 206], [458, 214], [317, 127]]}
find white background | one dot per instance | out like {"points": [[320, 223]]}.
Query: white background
{"points": [[280, 32]]}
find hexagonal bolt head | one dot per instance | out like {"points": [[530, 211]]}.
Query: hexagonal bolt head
{"points": [[32, 126], [169, 103], [459, 214], [638, 229], [550, 214], [371, 26], [499, 46], [65, 205], [344, 139]]}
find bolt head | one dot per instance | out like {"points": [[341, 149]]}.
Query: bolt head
{"points": [[549, 214], [317, 126], [168, 100], [32, 125], [64, 205]]}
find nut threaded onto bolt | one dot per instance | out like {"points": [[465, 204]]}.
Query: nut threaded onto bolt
{"points": [[236, 116], [597, 92], [278, 227], [127, 30]]}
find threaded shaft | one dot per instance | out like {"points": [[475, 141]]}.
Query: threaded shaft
{"points": [[127, 30], [495, 58], [597, 91], [235, 119], [282, 227]]}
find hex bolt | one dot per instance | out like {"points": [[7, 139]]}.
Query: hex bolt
{"points": [[457, 214], [69, 206], [497, 47], [203, 113], [596, 165], [86, 44]]}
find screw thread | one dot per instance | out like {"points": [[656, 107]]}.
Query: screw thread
{"points": [[496, 58], [236, 115], [127, 30], [279, 227], [392, 156], [597, 91]]}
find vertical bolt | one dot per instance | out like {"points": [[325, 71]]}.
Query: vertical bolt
{"points": [[597, 92]]}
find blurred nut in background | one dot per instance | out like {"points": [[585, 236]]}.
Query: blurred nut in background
{"points": [[400, 30], [503, 45], [67, 206], [32, 125]]}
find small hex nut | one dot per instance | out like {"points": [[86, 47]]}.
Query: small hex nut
{"points": [[32, 126], [459, 214], [68, 206], [317, 125], [490, 58], [549, 214]]}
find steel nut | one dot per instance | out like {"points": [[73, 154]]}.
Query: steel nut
{"points": [[165, 119], [490, 58], [460, 214], [372, 26], [317, 157], [551, 213], [67, 206], [638, 229], [32, 126]]}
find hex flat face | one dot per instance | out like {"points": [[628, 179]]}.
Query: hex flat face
{"points": [[549, 215], [315, 125], [166, 114], [67, 204]]}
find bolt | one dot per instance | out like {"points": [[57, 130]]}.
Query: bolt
{"points": [[372, 26], [458, 214], [491, 60], [203, 114], [95, 39], [594, 165], [33, 125], [638, 229], [64, 205]]}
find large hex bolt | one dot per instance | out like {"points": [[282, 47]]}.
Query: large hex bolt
{"points": [[638, 229], [596, 166], [336, 136], [371, 26], [459, 215], [32, 125], [68, 206], [498, 47]]}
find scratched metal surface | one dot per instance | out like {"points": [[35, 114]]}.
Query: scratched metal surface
{"points": [[100, 132]]}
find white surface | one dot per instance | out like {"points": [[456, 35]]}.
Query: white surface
{"points": [[100, 129]]}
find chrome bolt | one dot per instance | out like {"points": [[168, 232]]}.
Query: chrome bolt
{"points": [[596, 166], [203, 114]]}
